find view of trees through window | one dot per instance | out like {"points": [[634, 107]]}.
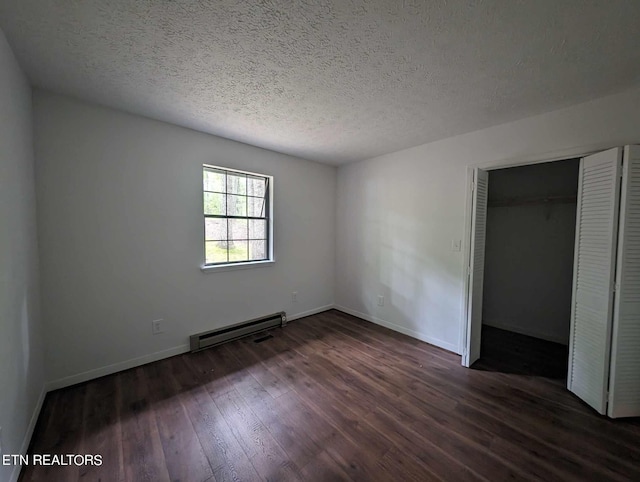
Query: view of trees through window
{"points": [[236, 216]]}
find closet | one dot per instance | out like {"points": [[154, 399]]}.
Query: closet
{"points": [[529, 254], [604, 341]]}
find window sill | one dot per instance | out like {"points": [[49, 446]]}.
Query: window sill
{"points": [[234, 267]]}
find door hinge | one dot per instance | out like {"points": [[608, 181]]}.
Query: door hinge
{"points": [[473, 186]]}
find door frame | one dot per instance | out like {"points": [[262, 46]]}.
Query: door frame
{"points": [[560, 155]]}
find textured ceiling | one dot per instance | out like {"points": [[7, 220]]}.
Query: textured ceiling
{"points": [[329, 80]]}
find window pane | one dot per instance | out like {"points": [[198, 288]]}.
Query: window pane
{"points": [[256, 207], [257, 250], [236, 205], [238, 229], [238, 251], [256, 186], [215, 229], [215, 252], [214, 203], [214, 181], [236, 183], [257, 229]]}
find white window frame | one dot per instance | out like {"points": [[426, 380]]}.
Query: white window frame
{"points": [[238, 265]]}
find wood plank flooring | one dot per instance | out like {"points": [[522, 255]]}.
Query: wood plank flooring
{"points": [[329, 397]]}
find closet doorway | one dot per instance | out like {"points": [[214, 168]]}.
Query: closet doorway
{"points": [[604, 339], [528, 269]]}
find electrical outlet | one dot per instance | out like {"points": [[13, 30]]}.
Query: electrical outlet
{"points": [[456, 245], [157, 327], [294, 297], [380, 300]]}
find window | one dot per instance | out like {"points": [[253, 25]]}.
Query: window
{"points": [[237, 215]]}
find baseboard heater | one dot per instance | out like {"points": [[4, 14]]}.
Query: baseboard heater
{"points": [[207, 339]]}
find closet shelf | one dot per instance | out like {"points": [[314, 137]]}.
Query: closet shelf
{"points": [[548, 200]]}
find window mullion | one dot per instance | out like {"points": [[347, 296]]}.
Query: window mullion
{"points": [[220, 216]]}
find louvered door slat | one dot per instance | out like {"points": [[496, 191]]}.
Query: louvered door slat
{"points": [[624, 398], [592, 302]]}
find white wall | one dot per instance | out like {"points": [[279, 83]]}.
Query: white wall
{"points": [[398, 213], [21, 361], [529, 250], [120, 223]]}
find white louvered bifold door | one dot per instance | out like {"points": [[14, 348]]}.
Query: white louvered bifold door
{"points": [[593, 279], [476, 278], [624, 383]]}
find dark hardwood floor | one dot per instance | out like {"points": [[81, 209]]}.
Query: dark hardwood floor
{"points": [[329, 397]]}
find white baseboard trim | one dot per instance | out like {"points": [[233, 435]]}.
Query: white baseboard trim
{"points": [[524, 331], [116, 367], [401, 329], [315, 311], [159, 355], [15, 475]]}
